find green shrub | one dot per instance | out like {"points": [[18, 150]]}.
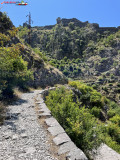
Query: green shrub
{"points": [[118, 51], [61, 67], [95, 98], [37, 51], [71, 68], [110, 84], [111, 143], [100, 79], [95, 86], [118, 84], [65, 72], [112, 76], [23, 31], [88, 93], [114, 131], [110, 40], [112, 104], [96, 112], [103, 60], [118, 90], [105, 89], [44, 58], [75, 72], [78, 123], [111, 113], [116, 119], [13, 69], [4, 39]]}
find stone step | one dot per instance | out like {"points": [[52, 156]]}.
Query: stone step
{"points": [[61, 138], [56, 130]]}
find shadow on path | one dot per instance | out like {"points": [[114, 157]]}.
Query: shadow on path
{"points": [[19, 102]]}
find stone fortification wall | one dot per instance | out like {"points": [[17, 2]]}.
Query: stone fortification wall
{"points": [[110, 29], [65, 22], [49, 27], [76, 22]]}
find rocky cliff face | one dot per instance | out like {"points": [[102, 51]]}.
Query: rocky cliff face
{"points": [[44, 74]]}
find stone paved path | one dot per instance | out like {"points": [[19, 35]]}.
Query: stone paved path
{"points": [[21, 136]]}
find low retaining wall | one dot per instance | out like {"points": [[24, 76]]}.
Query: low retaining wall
{"points": [[63, 140]]}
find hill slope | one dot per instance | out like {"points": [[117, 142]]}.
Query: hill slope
{"points": [[81, 51], [11, 46]]}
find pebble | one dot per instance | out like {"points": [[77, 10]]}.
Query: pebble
{"points": [[15, 137], [24, 135], [11, 158]]}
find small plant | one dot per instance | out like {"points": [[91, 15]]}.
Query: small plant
{"points": [[100, 78], [112, 76], [105, 89], [95, 86], [118, 84], [116, 120], [96, 112], [111, 113]]}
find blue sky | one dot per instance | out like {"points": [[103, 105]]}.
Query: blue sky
{"points": [[44, 12]]}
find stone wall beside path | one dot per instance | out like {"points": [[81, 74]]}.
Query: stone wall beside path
{"points": [[64, 142], [61, 139]]}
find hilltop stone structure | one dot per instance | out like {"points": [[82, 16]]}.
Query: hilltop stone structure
{"points": [[65, 22], [76, 22]]}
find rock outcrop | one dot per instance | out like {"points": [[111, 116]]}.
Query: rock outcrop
{"points": [[44, 74]]}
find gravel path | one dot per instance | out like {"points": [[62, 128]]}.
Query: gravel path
{"points": [[21, 136]]}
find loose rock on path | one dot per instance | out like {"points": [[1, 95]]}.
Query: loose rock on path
{"points": [[21, 136]]}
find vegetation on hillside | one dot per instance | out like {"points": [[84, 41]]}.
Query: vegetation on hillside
{"points": [[20, 66], [81, 53], [88, 117], [13, 70], [91, 116]]}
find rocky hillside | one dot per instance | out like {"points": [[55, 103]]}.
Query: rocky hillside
{"points": [[81, 50], [43, 73]]}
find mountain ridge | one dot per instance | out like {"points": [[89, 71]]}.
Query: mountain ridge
{"points": [[66, 21]]}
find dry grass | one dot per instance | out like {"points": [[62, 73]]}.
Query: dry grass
{"points": [[2, 112], [17, 92]]}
